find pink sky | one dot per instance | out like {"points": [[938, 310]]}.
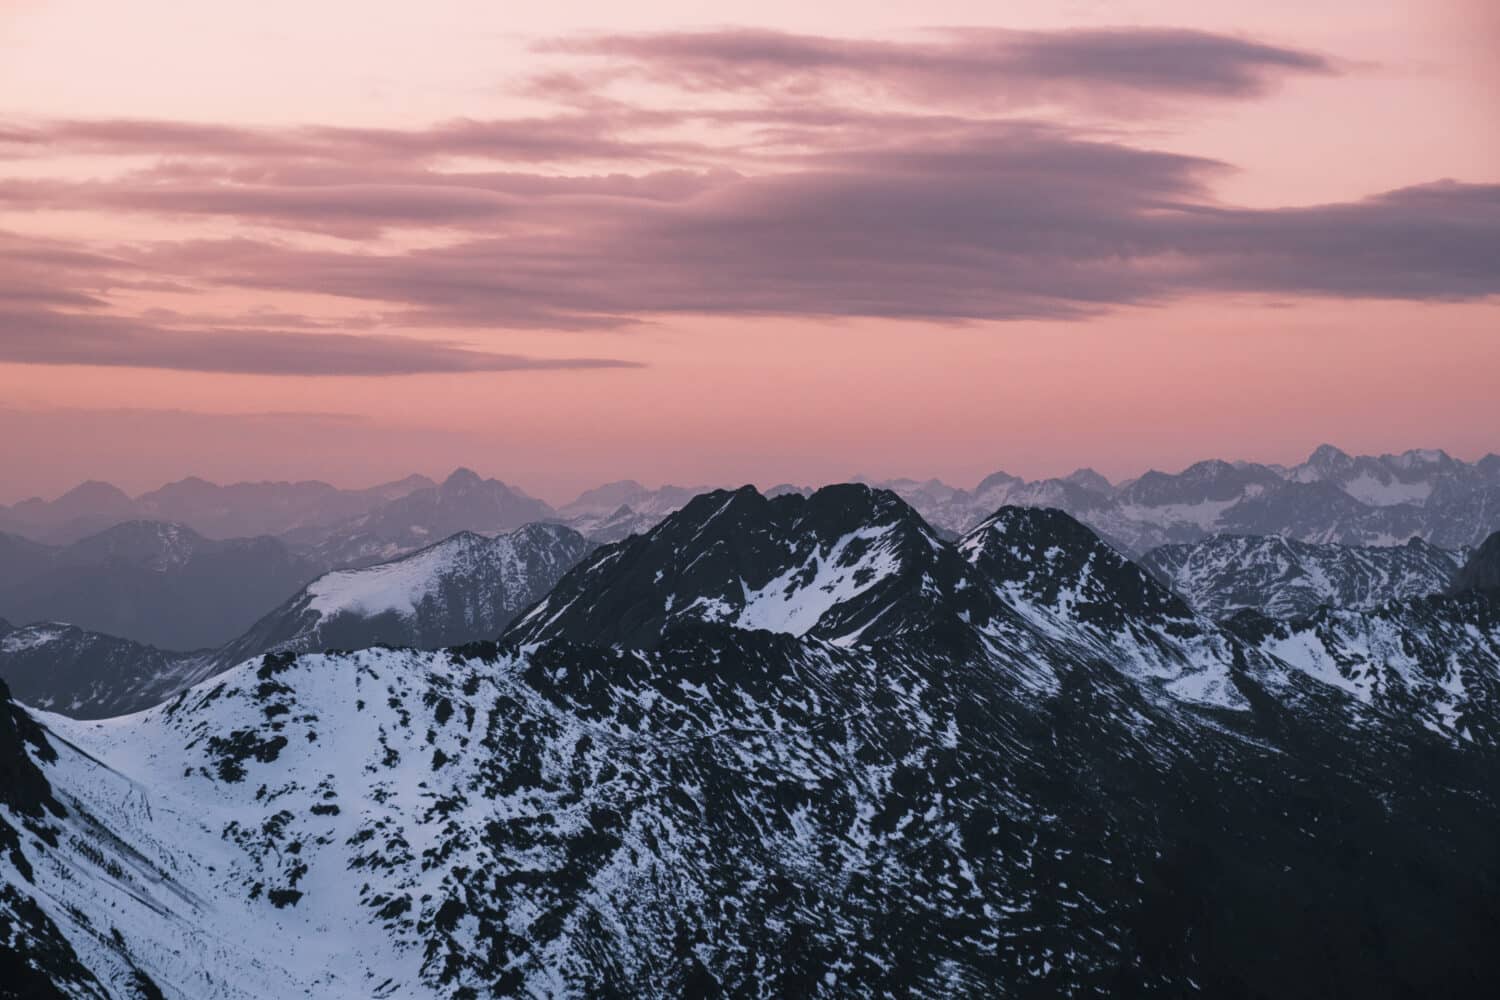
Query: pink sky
{"points": [[796, 242]]}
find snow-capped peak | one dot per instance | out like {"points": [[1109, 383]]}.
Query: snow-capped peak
{"points": [[846, 563]]}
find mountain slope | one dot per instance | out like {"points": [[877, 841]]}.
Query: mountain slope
{"points": [[1435, 660], [1285, 578], [1332, 498], [36, 959], [89, 675], [21, 559], [752, 813], [462, 589], [1073, 587]]}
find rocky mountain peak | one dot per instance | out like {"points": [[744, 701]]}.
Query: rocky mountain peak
{"points": [[609, 496], [158, 545], [776, 784], [998, 480], [1090, 480], [846, 563], [461, 479], [1045, 557], [1482, 572], [93, 495], [1328, 458], [1418, 458]]}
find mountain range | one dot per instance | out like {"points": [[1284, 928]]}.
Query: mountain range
{"points": [[139, 589], [1285, 578], [463, 589], [1434, 659], [234, 511], [1332, 497], [792, 745], [613, 511], [164, 584], [92, 675], [462, 502]]}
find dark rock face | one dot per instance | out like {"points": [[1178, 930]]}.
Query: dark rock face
{"points": [[23, 788], [1481, 573], [35, 959]]}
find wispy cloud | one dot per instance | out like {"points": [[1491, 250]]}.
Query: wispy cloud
{"points": [[561, 136], [970, 66], [1001, 226], [49, 337]]}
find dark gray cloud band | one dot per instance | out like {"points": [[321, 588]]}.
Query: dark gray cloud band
{"points": [[971, 66], [55, 338], [990, 228]]}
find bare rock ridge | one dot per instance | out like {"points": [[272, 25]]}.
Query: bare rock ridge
{"points": [[1482, 572]]}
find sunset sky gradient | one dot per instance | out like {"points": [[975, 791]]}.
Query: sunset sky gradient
{"points": [[790, 242]]}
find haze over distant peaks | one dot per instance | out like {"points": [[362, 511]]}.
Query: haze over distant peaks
{"points": [[153, 582], [236, 510], [1332, 497]]}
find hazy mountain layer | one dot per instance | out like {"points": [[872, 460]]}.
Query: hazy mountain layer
{"points": [[153, 582], [465, 588]]}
